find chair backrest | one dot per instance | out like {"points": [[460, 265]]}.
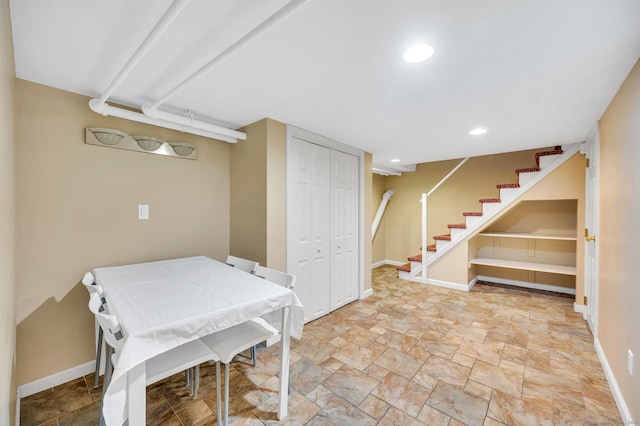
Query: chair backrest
{"points": [[242, 264], [277, 277], [89, 283], [109, 323]]}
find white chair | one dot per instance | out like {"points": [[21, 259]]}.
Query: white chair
{"points": [[281, 278], [230, 342], [242, 264], [250, 267], [89, 282], [181, 358]]}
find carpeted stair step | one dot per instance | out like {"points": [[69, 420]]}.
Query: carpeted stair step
{"points": [[526, 174], [489, 204], [442, 240], [507, 190], [404, 268], [471, 217], [456, 229], [542, 158], [446, 237]]}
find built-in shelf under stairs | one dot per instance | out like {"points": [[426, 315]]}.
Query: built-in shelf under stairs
{"points": [[546, 162]]}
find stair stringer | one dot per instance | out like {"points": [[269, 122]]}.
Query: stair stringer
{"points": [[506, 203]]}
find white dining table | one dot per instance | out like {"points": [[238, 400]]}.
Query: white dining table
{"points": [[163, 304]]}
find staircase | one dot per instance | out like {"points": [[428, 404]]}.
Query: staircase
{"points": [[546, 162]]}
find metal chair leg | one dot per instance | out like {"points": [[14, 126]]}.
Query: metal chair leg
{"points": [[226, 395], [96, 380], [196, 381], [107, 380], [253, 355], [218, 396]]}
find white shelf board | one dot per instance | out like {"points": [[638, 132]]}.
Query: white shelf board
{"points": [[528, 266], [529, 235]]}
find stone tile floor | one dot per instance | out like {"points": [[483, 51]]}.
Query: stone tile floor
{"points": [[408, 355]]}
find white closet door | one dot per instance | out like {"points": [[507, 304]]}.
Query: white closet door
{"points": [[344, 229], [308, 228]]}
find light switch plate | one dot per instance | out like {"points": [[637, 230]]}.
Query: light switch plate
{"points": [[143, 211], [630, 362]]}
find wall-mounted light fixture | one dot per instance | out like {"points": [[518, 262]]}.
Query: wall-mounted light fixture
{"points": [[116, 139]]}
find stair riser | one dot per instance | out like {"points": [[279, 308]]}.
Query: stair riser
{"points": [[545, 160], [487, 208], [441, 243], [471, 220], [508, 193], [526, 177], [403, 275], [456, 231]]}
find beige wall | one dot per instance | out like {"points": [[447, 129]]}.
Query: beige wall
{"points": [[619, 238], [258, 194], [276, 195], [474, 180], [378, 250], [77, 210], [7, 209], [248, 195]]}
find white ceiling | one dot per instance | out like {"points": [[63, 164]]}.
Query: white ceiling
{"points": [[534, 72]]}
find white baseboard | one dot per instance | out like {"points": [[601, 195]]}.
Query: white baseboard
{"points": [[375, 265], [615, 390], [55, 379], [472, 283], [447, 284], [367, 293], [526, 284], [578, 308]]}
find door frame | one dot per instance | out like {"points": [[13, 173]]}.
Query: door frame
{"points": [[592, 206], [295, 132]]}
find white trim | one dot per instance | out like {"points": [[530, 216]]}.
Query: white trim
{"points": [[390, 262], [377, 264], [615, 390], [448, 284], [526, 284], [472, 283], [56, 379], [296, 132], [368, 292], [578, 308]]}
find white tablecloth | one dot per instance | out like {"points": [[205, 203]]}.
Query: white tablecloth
{"points": [[161, 305]]}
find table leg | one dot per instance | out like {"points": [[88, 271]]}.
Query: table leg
{"points": [[284, 362], [136, 395]]}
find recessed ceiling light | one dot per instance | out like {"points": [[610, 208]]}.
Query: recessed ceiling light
{"points": [[418, 53], [478, 131], [395, 160]]}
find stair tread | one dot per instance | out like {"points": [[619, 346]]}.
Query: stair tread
{"points": [[430, 247], [472, 214], [457, 226], [416, 258], [445, 237], [528, 170], [490, 200], [404, 268], [508, 185], [544, 153]]}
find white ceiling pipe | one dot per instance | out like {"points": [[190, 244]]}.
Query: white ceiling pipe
{"points": [[171, 13], [383, 205], [106, 110], [192, 123], [265, 26]]}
